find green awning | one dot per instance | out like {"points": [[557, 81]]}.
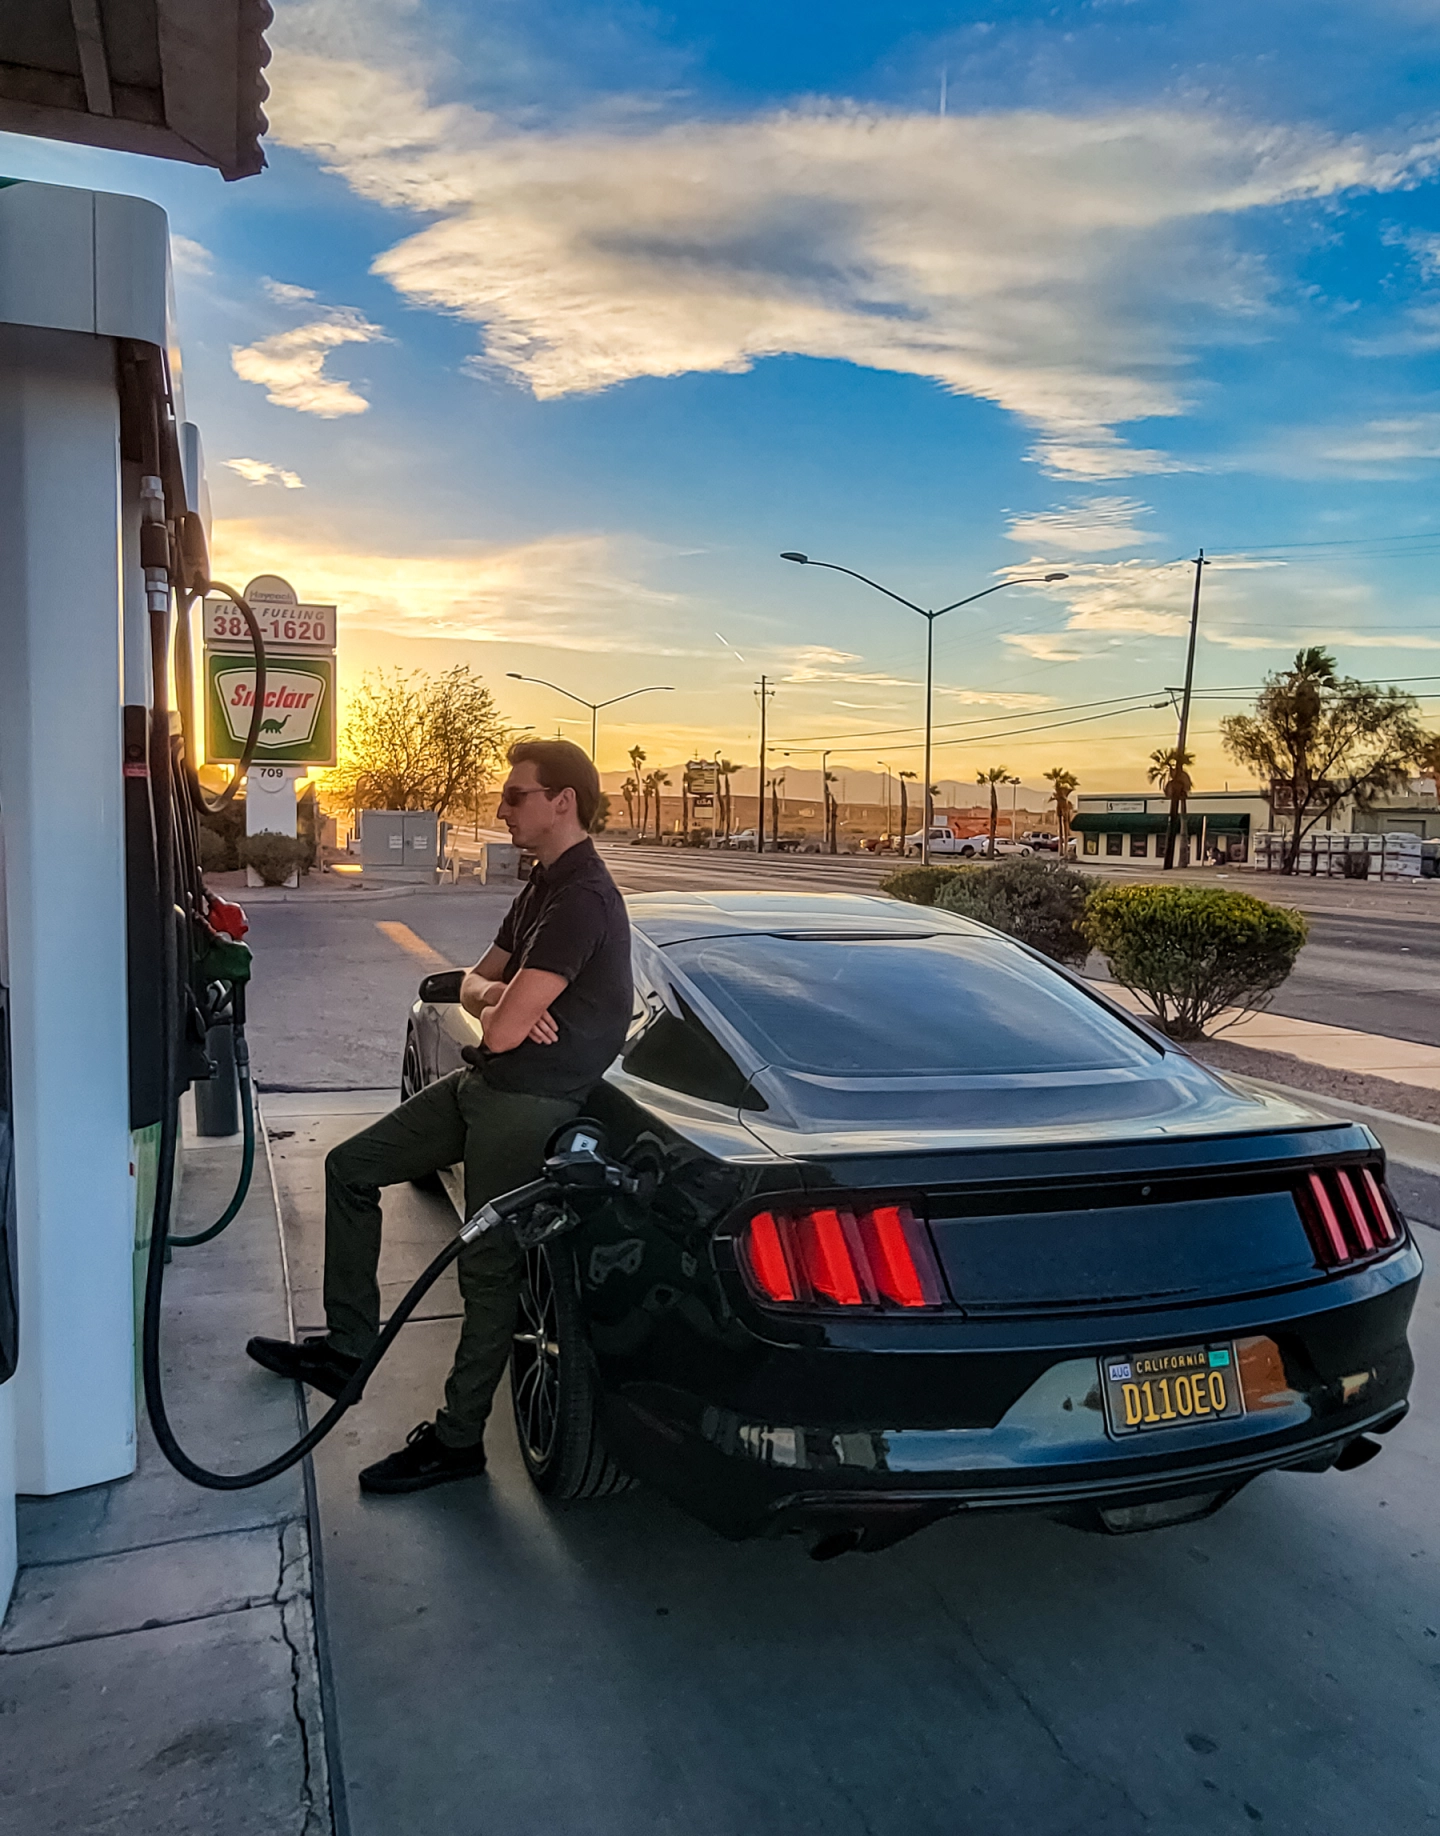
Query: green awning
{"points": [[1156, 822]]}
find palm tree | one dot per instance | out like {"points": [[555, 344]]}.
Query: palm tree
{"points": [[1061, 783], [1168, 771], [904, 810], [995, 776], [832, 811], [630, 791], [725, 769], [653, 782]]}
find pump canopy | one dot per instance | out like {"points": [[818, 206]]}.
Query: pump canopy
{"points": [[177, 79]]}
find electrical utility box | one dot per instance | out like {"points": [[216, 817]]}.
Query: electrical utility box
{"points": [[399, 845]]}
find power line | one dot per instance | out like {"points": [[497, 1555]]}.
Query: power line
{"points": [[979, 720]]}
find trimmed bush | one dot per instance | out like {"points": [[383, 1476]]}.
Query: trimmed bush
{"points": [[919, 885], [274, 857], [1191, 951], [1034, 898], [215, 852]]}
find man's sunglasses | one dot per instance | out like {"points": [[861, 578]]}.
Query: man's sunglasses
{"points": [[512, 797]]}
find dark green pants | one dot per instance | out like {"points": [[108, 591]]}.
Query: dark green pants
{"points": [[501, 1138]]}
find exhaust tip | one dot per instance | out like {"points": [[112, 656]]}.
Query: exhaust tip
{"points": [[1356, 1453], [841, 1542]]}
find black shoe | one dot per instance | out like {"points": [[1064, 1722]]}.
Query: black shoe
{"points": [[424, 1460], [313, 1361]]}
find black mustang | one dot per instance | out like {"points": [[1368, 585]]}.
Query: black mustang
{"points": [[931, 1226]]}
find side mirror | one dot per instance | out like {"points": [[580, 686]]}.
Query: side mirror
{"points": [[442, 987]]}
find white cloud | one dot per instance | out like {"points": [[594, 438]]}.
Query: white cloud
{"points": [[262, 472], [1101, 454], [818, 663], [1383, 442], [1056, 265], [1048, 646], [286, 293], [189, 257], [1135, 599], [569, 592], [994, 698], [290, 365], [1092, 526]]}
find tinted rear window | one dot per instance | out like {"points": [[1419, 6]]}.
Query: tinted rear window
{"points": [[889, 1006]]}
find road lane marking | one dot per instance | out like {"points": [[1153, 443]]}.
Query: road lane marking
{"points": [[417, 947]]}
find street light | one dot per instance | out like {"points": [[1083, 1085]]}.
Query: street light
{"points": [[886, 769], [655, 688], [930, 617]]}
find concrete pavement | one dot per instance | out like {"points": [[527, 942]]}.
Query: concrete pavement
{"points": [[603, 1668], [158, 1666]]}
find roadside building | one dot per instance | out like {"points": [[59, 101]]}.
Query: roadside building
{"points": [[1414, 811], [1133, 827]]}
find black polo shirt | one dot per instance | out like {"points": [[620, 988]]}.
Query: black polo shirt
{"points": [[570, 920]]}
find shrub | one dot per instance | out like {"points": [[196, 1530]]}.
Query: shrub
{"points": [[1034, 898], [215, 852], [1190, 951], [274, 857], [919, 885]]}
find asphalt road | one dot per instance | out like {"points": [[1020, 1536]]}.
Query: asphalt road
{"points": [[332, 988], [612, 1667]]}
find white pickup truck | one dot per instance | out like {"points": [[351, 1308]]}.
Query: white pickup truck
{"points": [[944, 844]]}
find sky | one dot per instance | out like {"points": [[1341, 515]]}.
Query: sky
{"points": [[551, 325]]}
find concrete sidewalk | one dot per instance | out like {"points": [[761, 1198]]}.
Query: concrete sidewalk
{"points": [[158, 1665], [1337, 1048]]}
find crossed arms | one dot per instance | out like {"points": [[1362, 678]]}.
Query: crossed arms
{"points": [[511, 1012]]}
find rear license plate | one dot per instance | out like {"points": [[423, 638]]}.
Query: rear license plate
{"points": [[1176, 1388]]}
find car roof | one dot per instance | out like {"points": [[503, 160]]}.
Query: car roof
{"points": [[674, 917]]}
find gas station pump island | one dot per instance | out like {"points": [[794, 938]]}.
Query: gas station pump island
{"points": [[116, 961]]}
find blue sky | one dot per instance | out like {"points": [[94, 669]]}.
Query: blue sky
{"points": [[551, 324]]}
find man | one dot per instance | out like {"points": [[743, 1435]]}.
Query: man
{"points": [[552, 995]]}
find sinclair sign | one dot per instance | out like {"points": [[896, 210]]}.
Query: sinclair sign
{"points": [[298, 726]]}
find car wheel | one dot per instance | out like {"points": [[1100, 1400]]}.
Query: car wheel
{"points": [[552, 1387], [412, 1082]]}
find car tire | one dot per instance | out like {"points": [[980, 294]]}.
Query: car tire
{"points": [[412, 1082], [552, 1386]]}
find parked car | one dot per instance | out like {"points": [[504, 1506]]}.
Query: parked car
{"points": [[1041, 840], [929, 1225], [944, 842], [743, 838]]}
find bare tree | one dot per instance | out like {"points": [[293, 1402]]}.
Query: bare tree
{"points": [[1318, 738], [419, 742]]}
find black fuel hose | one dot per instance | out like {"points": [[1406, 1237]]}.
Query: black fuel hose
{"points": [[487, 1218], [247, 1131]]}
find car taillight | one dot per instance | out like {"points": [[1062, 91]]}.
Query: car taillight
{"points": [[836, 1256], [1347, 1214]]}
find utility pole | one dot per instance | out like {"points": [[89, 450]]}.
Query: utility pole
{"points": [[765, 692], [1177, 778]]}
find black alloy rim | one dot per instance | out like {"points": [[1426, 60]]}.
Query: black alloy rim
{"points": [[535, 1369], [410, 1068]]}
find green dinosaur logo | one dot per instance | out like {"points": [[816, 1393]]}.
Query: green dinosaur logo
{"points": [[273, 726]]}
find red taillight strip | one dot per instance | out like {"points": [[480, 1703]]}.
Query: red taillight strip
{"points": [[1379, 1204], [891, 1260], [827, 1258], [830, 1256], [1339, 1250], [1357, 1216], [767, 1258]]}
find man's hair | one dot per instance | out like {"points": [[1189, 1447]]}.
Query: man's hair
{"points": [[561, 765]]}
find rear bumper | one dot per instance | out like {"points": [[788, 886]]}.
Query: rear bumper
{"points": [[747, 1467]]}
